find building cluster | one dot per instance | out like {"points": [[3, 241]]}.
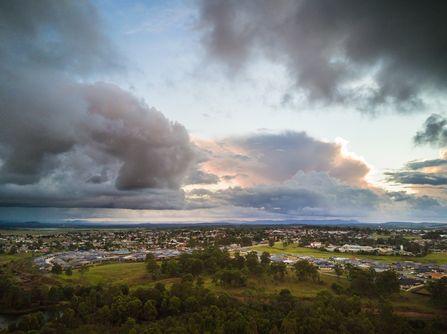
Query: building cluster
{"points": [[406, 242], [410, 273], [77, 259], [347, 248], [134, 240], [82, 247]]}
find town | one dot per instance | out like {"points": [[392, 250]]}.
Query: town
{"points": [[325, 247]]}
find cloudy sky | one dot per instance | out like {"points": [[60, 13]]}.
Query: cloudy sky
{"points": [[219, 109]]}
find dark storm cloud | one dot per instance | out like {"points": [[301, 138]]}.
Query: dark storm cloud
{"points": [[108, 133], [417, 178], [434, 131], [63, 35], [72, 195], [67, 142], [327, 46], [431, 172], [415, 165]]}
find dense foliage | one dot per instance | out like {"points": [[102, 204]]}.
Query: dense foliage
{"points": [[187, 306], [438, 290]]}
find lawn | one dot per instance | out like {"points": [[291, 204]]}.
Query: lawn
{"points": [[439, 258], [7, 258], [114, 273], [133, 274]]}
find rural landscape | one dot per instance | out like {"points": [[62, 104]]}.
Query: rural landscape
{"points": [[231, 279], [223, 167]]}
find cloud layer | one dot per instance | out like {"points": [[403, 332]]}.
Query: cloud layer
{"points": [[275, 158], [67, 142], [71, 139], [372, 53], [434, 131]]}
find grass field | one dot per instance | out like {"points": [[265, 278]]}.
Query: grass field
{"points": [[265, 286], [439, 258], [7, 258], [114, 273], [133, 274]]}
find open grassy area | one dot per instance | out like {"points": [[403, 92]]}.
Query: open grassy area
{"points": [[7, 258], [133, 274], [264, 286], [439, 258], [411, 302], [114, 273]]}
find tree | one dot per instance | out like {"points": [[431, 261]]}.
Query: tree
{"points": [[56, 269], [68, 271], [191, 304], [438, 290], [104, 315], [305, 271], [238, 260], [252, 262], [338, 269], [271, 242], [149, 311], [362, 282], [274, 330], [83, 270], [288, 326], [152, 266], [265, 258], [170, 267], [337, 288], [55, 294], [387, 282], [69, 318], [32, 321], [278, 270], [200, 282], [174, 305], [232, 277]]}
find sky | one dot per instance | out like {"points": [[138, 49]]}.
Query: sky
{"points": [[192, 111]]}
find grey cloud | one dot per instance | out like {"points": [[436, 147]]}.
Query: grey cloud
{"points": [[67, 142], [434, 131], [62, 35], [271, 198], [328, 45], [420, 206], [200, 177], [312, 193], [153, 152], [417, 178], [72, 195], [415, 165], [418, 202]]}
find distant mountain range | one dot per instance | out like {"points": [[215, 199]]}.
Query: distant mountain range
{"points": [[78, 224]]}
